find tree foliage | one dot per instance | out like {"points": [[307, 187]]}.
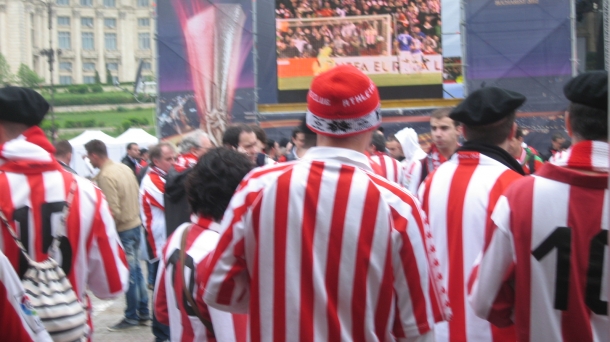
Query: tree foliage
{"points": [[28, 77], [6, 77]]}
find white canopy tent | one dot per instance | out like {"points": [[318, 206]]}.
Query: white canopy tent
{"points": [[138, 136], [78, 162]]}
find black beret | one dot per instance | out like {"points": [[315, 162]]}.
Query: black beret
{"points": [[589, 89], [22, 105], [486, 106]]}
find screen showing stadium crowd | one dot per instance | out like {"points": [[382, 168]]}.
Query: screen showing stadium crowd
{"points": [[420, 19]]}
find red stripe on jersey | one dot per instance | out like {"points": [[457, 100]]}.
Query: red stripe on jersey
{"points": [[584, 225], [334, 250], [582, 157], [279, 256], [148, 219], [365, 240], [73, 222], [384, 302], [11, 251], [523, 251], [255, 302], [409, 264], [500, 185], [261, 171], [36, 197], [178, 280], [395, 165], [159, 183], [310, 206], [384, 172], [455, 210]]}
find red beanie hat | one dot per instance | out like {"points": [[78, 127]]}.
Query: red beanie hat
{"points": [[343, 102]]}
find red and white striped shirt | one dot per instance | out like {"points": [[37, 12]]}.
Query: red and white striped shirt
{"points": [[19, 322], [324, 249], [152, 211], [34, 189], [545, 263], [388, 168], [185, 161], [171, 306], [458, 199]]}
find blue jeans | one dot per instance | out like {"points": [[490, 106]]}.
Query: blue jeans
{"points": [[152, 271], [137, 295]]}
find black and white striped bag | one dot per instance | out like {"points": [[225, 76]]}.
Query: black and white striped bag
{"points": [[50, 292]]}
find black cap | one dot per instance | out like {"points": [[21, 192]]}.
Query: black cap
{"points": [[589, 89], [22, 105], [486, 106]]}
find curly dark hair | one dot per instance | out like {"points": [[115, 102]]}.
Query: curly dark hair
{"points": [[212, 182]]}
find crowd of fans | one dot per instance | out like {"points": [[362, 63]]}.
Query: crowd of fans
{"points": [[419, 18]]}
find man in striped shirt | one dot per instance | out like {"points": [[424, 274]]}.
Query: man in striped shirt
{"points": [[460, 195], [545, 263], [209, 188], [34, 191], [322, 248]]}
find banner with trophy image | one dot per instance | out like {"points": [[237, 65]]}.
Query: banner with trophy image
{"points": [[206, 72]]}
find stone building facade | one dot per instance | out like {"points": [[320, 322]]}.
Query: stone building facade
{"points": [[93, 35]]}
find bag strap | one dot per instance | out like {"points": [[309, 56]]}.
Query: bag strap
{"points": [[66, 212], [187, 293]]}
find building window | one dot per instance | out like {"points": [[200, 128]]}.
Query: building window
{"points": [[109, 3], [143, 22], [65, 79], [63, 2], [88, 66], [144, 41], [88, 41], [87, 3], [88, 79], [146, 66], [110, 41], [142, 3], [112, 66], [115, 79], [110, 22], [63, 21], [65, 66], [63, 40], [86, 21]]}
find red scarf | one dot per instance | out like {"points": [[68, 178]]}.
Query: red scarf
{"points": [[435, 157], [586, 155], [31, 152]]}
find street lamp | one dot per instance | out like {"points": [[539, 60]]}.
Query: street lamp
{"points": [[50, 53]]}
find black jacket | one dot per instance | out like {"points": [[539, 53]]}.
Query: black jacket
{"points": [[177, 209], [127, 161]]}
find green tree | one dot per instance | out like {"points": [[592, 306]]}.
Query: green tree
{"points": [[28, 77], [98, 80], [108, 77], [6, 76]]}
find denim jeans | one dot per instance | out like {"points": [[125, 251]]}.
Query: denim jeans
{"points": [[137, 295], [152, 271]]}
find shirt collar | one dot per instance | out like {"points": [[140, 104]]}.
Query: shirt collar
{"points": [[342, 155]]}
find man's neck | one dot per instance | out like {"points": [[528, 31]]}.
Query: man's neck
{"points": [[518, 153], [300, 152], [448, 151]]}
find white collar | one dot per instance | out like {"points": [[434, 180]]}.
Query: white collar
{"points": [[341, 155]]}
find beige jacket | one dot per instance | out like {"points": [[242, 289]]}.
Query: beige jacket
{"points": [[119, 185]]}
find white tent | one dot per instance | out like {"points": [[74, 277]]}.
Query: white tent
{"points": [[79, 164], [138, 136]]}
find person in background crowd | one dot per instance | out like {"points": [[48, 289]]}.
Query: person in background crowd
{"points": [[557, 139], [18, 322], [132, 159], [210, 185], [144, 155], [242, 138], [177, 210], [152, 209], [384, 165], [272, 149], [413, 153], [528, 159], [460, 195], [546, 251], [262, 158], [119, 185], [445, 141], [284, 142], [63, 154], [394, 149], [93, 259], [316, 248], [298, 141]]}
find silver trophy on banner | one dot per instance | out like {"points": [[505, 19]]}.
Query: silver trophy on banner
{"points": [[213, 39]]}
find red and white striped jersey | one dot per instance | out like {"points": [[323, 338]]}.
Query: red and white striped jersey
{"points": [[34, 190], [19, 322], [545, 264], [185, 161], [324, 249], [388, 168], [458, 199], [152, 210], [172, 308]]}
